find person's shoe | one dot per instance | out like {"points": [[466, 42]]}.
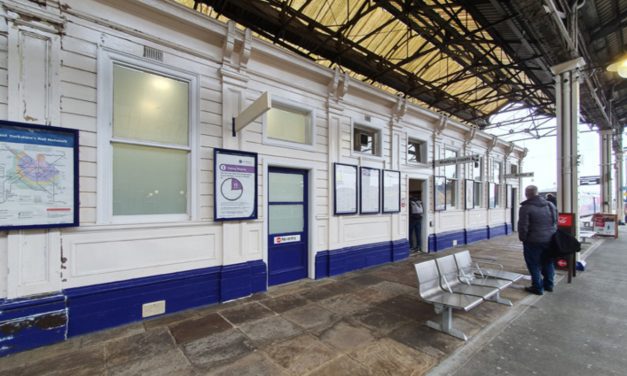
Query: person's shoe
{"points": [[549, 289], [533, 290]]}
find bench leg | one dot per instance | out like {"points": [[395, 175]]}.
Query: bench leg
{"points": [[446, 325], [497, 299]]}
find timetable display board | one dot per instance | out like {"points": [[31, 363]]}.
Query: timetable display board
{"points": [[345, 177], [370, 190], [391, 191], [470, 194], [38, 176], [235, 185]]}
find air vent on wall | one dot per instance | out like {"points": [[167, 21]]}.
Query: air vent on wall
{"points": [[153, 53]]}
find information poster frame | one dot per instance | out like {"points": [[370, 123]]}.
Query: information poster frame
{"points": [[397, 202], [220, 180], [29, 136], [336, 209], [439, 193], [367, 171], [469, 190], [491, 196]]}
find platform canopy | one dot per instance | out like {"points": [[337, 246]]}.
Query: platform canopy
{"points": [[468, 59]]}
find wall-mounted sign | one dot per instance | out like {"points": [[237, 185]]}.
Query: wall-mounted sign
{"points": [[235, 185], [589, 180], [345, 189], [520, 175], [370, 190], [38, 176], [391, 191], [457, 160], [286, 239]]}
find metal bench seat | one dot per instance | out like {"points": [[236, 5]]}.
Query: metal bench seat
{"points": [[467, 275], [450, 280], [444, 302], [466, 263]]}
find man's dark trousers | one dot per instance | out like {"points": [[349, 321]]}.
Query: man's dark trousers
{"points": [[540, 265]]}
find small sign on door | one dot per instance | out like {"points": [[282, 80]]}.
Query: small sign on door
{"points": [[286, 239]]}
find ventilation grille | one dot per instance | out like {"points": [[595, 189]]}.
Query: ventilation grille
{"points": [[153, 53]]}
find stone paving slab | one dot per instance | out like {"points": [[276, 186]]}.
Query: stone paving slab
{"points": [[367, 322]]}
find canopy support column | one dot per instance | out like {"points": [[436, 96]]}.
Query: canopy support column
{"points": [[606, 171], [567, 110]]}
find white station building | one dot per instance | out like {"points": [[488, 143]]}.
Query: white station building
{"points": [[153, 88]]}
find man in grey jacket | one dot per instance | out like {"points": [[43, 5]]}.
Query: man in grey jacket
{"points": [[537, 222]]}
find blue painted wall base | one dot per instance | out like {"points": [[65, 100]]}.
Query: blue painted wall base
{"points": [[336, 262], [30, 323], [444, 240]]}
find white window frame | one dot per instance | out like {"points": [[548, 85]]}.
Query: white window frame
{"points": [[106, 60], [424, 155], [455, 205], [373, 125], [286, 104], [498, 184]]}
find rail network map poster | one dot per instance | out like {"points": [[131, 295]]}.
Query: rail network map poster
{"points": [[38, 176]]}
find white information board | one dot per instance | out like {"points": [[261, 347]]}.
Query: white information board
{"points": [[38, 176], [391, 191], [235, 185], [345, 189], [370, 190]]}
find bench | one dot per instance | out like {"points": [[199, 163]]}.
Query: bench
{"points": [[465, 283], [430, 291], [468, 266], [584, 235], [451, 282]]}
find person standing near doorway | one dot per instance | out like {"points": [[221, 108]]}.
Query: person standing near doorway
{"points": [[537, 222], [415, 223]]}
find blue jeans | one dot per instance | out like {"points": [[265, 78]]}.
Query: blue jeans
{"points": [[540, 266], [415, 227]]}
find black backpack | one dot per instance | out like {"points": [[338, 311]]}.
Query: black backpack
{"points": [[563, 244]]}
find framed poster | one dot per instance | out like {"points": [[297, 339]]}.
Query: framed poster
{"points": [[439, 192], [38, 176], [491, 195], [235, 185], [391, 191], [345, 189], [370, 187], [470, 194], [508, 196]]}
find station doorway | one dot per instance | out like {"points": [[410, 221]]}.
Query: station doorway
{"points": [[287, 225], [417, 213]]}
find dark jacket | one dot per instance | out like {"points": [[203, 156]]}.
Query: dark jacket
{"points": [[537, 220]]}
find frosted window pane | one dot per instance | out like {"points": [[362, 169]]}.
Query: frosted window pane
{"points": [[149, 107], [148, 180], [286, 187], [286, 218], [289, 126]]}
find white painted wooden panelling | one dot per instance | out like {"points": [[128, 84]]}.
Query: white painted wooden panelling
{"points": [[364, 230], [111, 255]]}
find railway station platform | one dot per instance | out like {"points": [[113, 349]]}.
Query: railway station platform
{"points": [[371, 322]]}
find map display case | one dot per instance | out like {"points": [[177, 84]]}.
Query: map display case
{"points": [[38, 176]]}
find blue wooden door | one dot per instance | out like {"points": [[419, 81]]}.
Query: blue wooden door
{"points": [[287, 225]]}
